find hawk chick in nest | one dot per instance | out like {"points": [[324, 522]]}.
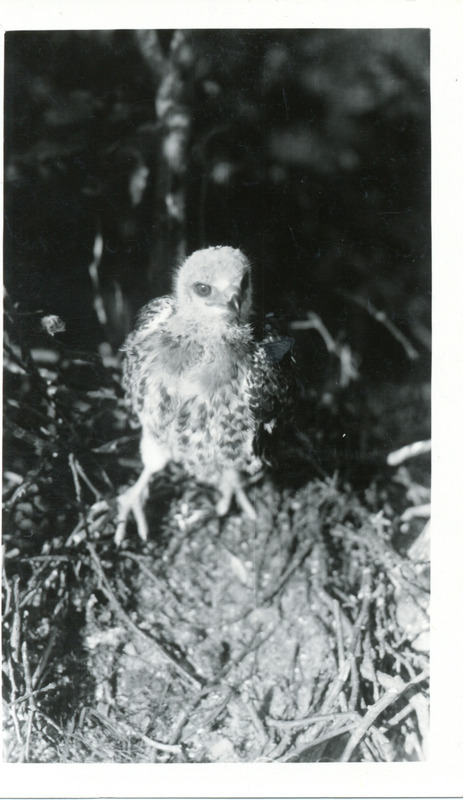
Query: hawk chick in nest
{"points": [[204, 390]]}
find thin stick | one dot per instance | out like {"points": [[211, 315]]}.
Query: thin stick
{"points": [[324, 738], [343, 352], [343, 673], [166, 748], [306, 721], [32, 704], [6, 584], [98, 302], [400, 716], [27, 672], [388, 698], [15, 637], [298, 559], [383, 319], [215, 682], [87, 480], [34, 693], [45, 656], [355, 685], [409, 451], [256, 721], [50, 558], [339, 638], [75, 477], [12, 707]]}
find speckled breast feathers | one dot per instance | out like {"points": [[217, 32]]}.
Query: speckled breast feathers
{"points": [[193, 373]]}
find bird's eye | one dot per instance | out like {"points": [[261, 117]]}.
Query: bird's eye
{"points": [[245, 282], [202, 289]]}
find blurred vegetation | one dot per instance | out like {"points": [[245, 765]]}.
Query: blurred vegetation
{"points": [[310, 150], [303, 639]]}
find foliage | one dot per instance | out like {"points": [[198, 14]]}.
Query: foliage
{"points": [[309, 150]]}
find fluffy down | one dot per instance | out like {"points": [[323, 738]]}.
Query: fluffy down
{"points": [[202, 387]]}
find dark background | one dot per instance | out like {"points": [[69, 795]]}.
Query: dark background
{"points": [[308, 149]]}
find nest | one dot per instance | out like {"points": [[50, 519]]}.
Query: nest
{"points": [[299, 637]]}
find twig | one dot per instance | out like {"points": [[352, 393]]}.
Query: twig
{"points": [[304, 722], [400, 659], [214, 683], [166, 748], [296, 562], [368, 667], [343, 673], [400, 716], [278, 750], [256, 720], [21, 490], [409, 451], [30, 720], [388, 698], [32, 704], [220, 708], [15, 637], [12, 707], [50, 721], [337, 685], [87, 480], [49, 558], [343, 352], [416, 511], [383, 319], [355, 685], [27, 671], [75, 477], [324, 738], [131, 731], [140, 560], [338, 627], [45, 656], [98, 303], [34, 693], [7, 587], [323, 596]]}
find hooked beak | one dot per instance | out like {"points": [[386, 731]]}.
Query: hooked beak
{"points": [[235, 303]]}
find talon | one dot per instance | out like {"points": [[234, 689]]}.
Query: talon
{"points": [[245, 505], [132, 502], [229, 486]]}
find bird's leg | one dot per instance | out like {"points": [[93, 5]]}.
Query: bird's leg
{"points": [[154, 459], [133, 501], [230, 485]]}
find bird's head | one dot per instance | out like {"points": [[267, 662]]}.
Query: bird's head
{"points": [[215, 284]]}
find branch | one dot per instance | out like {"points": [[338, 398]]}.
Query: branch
{"points": [[381, 317], [349, 371], [388, 698], [409, 451]]}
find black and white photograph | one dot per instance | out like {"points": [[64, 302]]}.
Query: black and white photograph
{"points": [[218, 271]]}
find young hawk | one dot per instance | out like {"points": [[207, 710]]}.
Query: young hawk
{"points": [[204, 389]]}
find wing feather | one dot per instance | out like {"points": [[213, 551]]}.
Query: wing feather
{"points": [[150, 319], [272, 386]]}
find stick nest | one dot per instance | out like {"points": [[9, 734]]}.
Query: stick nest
{"points": [[299, 637]]}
